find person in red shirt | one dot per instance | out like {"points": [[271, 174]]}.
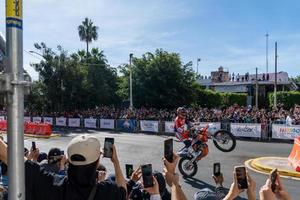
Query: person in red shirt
{"points": [[180, 127]]}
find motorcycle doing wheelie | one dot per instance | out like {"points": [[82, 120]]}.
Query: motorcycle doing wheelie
{"points": [[222, 139]]}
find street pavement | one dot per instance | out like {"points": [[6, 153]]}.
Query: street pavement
{"points": [[139, 149]]}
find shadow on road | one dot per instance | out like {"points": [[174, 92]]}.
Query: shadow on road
{"points": [[196, 183]]}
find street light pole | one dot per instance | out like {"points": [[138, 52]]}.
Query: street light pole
{"points": [[275, 85], [267, 53], [256, 88], [15, 99], [130, 79]]}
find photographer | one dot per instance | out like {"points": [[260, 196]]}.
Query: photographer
{"points": [[84, 154]]}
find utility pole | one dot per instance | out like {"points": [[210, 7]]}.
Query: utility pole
{"points": [[267, 53], [13, 88], [256, 88], [130, 79], [275, 85]]}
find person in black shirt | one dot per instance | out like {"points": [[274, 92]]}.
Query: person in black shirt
{"points": [[80, 184]]}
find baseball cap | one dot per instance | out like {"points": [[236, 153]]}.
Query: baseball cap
{"points": [[54, 155], [83, 150]]}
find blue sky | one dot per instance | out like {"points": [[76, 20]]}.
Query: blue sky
{"points": [[229, 33]]}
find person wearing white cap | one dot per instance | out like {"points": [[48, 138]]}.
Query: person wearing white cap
{"points": [[80, 184]]}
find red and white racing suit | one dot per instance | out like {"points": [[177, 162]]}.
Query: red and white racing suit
{"points": [[181, 132]]}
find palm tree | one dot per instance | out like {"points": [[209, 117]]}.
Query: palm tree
{"points": [[87, 32]]}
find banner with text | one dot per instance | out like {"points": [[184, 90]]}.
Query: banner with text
{"points": [[90, 123], [27, 119], [74, 122], [149, 126], [61, 121], [107, 123], [37, 119], [169, 127], [48, 120], [126, 125], [282, 131], [246, 130], [214, 126]]}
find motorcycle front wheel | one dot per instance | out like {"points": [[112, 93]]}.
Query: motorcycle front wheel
{"points": [[224, 140], [187, 168]]}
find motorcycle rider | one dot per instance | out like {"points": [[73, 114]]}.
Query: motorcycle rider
{"points": [[182, 129]]}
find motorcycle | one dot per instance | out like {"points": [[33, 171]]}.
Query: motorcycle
{"points": [[222, 139]]}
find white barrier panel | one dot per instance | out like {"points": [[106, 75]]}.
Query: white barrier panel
{"points": [[107, 123], [36, 119], [151, 126], [169, 127], [48, 120], [246, 130], [282, 131], [90, 123], [61, 121], [2, 118], [27, 119], [74, 122], [215, 126]]}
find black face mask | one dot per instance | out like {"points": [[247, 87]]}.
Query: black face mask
{"points": [[82, 175]]}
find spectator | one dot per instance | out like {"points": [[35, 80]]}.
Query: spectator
{"points": [[55, 163], [101, 173], [84, 154]]}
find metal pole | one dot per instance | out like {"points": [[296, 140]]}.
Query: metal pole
{"points": [[130, 79], [15, 99], [267, 53], [256, 89], [275, 85], [198, 60]]}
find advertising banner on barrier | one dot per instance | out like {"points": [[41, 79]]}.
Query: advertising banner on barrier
{"points": [[126, 125], [2, 118], [36, 119], [215, 126], [90, 123], [74, 122], [169, 127], [149, 126], [107, 123], [48, 120], [27, 119], [61, 121], [246, 130], [282, 131]]}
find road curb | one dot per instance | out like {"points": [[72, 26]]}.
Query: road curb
{"points": [[256, 164]]}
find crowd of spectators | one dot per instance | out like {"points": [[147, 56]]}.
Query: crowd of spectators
{"points": [[79, 175], [234, 113]]}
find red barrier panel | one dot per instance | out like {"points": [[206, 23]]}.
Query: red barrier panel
{"points": [[31, 128], [294, 157], [3, 125]]}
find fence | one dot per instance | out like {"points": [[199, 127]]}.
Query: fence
{"points": [[249, 130]]}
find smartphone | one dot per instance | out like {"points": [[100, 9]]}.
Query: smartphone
{"points": [[273, 179], [33, 147], [217, 169], [62, 152], [168, 146], [241, 177], [108, 142], [129, 170], [147, 175]]}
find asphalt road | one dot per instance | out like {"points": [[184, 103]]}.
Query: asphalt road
{"points": [[141, 148]]}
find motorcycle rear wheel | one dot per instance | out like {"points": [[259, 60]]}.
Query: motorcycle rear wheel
{"points": [[186, 168]]}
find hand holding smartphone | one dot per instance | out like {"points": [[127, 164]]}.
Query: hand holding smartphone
{"points": [[168, 150], [108, 150], [217, 169], [33, 147], [273, 177], [241, 177], [147, 175], [129, 170]]}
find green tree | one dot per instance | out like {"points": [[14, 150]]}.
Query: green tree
{"points": [[160, 79], [87, 32]]}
